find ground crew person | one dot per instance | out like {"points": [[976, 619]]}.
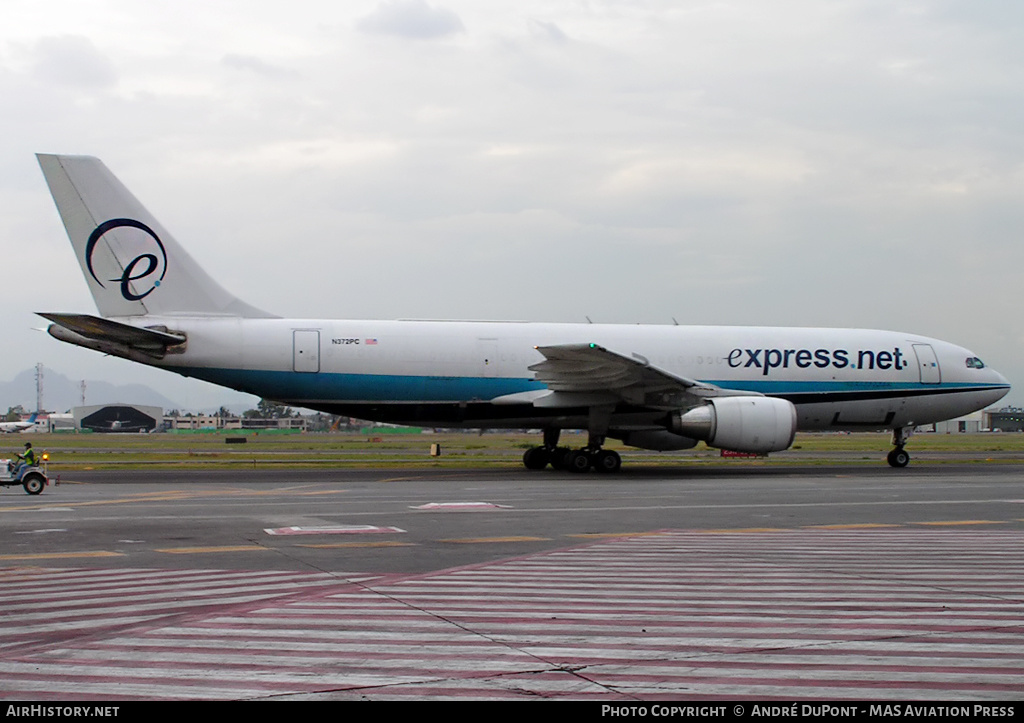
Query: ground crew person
{"points": [[29, 459]]}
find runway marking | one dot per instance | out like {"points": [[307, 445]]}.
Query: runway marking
{"points": [[60, 555], [749, 529], [862, 526], [198, 550], [770, 505], [961, 522], [477, 540], [173, 496], [889, 614], [598, 535], [162, 497], [458, 506], [35, 508], [335, 545], [333, 530], [290, 490]]}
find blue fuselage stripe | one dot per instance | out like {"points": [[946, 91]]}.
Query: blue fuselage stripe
{"points": [[287, 385]]}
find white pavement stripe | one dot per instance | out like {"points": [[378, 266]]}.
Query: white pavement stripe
{"points": [[902, 614], [757, 605], [659, 645], [880, 658], [114, 613], [49, 688], [61, 580], [541, 616], [165, 601], [83, 626], [520, 630], [463, 647], [282, 669]]}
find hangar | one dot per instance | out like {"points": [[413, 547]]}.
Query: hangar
{"points": [[118, 418]]}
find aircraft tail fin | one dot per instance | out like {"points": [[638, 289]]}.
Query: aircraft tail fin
{"points": [[133, 266]]}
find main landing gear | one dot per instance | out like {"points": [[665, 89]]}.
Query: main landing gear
{"points": [[899, 457], [574, 460]]}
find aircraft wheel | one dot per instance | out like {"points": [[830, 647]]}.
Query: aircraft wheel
{"points": [[608, 461], [536, 458], [560, 458], [898, 458], [33, 484], [579, 460]]}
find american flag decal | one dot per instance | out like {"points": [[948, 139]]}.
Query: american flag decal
{"points": [[371, 342]]}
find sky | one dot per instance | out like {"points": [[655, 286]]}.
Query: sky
{"points": [[852, 163]]}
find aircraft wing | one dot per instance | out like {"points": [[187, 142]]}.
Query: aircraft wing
{"points": [[586, 374]]}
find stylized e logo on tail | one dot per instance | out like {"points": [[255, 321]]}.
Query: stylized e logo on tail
{"points": [[132, 272]]}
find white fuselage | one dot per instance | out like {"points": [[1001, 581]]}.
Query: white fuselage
{"points": [[427, 371]]}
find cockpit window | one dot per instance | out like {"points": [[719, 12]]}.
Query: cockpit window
{"points": [[974, 362]]}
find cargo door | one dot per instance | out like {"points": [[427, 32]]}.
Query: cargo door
{"points": [[306, 350], [487, 355]]}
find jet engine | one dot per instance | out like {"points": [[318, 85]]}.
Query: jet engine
{"points": [[660, 440], [741, 424]]}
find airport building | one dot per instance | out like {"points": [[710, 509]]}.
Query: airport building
{"points": [[209, 422], [1007, 419], [190, 422]]}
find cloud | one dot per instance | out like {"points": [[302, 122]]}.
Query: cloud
{"points": [[253, 64], [410, 19], [72, 60], [548, 31]]}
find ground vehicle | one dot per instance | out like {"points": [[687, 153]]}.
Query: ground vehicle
{"points": [[32, 477]]}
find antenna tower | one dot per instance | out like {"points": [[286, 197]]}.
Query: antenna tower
{"points": [[39, 387]]}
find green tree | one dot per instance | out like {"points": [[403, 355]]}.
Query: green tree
{"points": [[272, 410]]}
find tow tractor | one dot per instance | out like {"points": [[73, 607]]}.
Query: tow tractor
{"points": [[32, 477]]}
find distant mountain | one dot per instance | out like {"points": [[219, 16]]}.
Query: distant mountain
{"points": [[61, 393]]}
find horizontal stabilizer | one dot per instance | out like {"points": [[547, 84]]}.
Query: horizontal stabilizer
{"points": [[108, 332]]}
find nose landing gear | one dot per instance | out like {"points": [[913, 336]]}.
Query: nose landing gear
{"points": [[899, 457]]}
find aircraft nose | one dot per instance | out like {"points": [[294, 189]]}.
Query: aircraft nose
{"points": [[998, 393]]}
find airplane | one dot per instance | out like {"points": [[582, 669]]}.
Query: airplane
{"points": [[659, 387], [11, 427]]}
